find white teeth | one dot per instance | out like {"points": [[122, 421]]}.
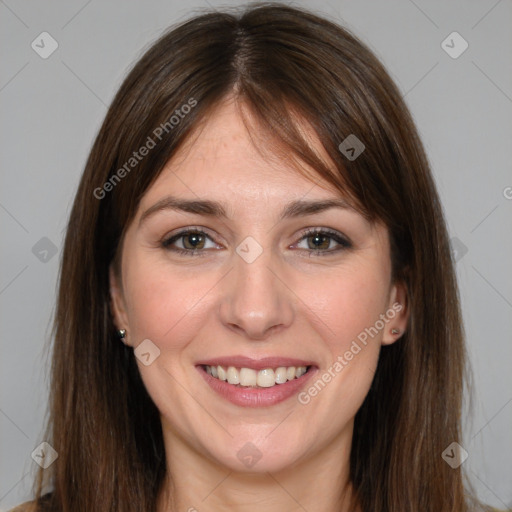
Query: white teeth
{"points": [[281, 377], [221, 373], [266, 378], [301, 370], [248, 377], [263, 378], [233, 377]]}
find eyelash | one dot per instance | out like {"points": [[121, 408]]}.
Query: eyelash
{"points": [[343, 242]]}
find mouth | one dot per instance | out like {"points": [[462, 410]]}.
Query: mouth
{"points": [[248, 377], [256, 383]]}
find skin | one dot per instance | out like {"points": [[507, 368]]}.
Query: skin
{"points": [[290, 301]]}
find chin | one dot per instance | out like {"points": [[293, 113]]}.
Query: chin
{"points": [[244, 454]]}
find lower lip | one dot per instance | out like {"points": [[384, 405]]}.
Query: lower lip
{"points": [[257, 397]]}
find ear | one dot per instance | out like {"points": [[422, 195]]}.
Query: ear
{"points": [[117, 304], [397, 313]]}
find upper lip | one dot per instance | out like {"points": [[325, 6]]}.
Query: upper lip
{"points": [[255, 364]]}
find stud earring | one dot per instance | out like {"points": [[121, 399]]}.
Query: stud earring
{"points": [[395, 331], [121, 333]]}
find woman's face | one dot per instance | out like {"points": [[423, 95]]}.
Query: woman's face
{"points": [[245, 276]]}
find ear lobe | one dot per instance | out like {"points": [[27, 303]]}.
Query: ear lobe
{"points": [[117, 305], [397, 313]]}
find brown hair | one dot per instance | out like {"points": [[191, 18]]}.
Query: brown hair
{"points": [[280, 61]]}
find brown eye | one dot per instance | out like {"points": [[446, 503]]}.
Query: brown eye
{"points": [[318, 241], [323, 242], [193, 241]]}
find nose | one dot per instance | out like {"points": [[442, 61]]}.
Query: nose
{"points": [[257, 302]]}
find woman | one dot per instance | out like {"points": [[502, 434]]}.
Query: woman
{"points": [[257, 303]]}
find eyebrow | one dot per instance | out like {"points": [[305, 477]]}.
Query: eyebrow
{"points": [[209, 208]]}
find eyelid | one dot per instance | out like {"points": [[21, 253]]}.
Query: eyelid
{"points": [[187, 229], [324, 230]]}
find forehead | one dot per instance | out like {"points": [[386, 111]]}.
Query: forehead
{"points": [[230, 159]]}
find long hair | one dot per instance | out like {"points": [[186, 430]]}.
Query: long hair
{"points": [[288, 66]]}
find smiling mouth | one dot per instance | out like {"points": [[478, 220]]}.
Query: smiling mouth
{"points": [[250, 378]]}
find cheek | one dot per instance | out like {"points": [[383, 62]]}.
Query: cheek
{"points": [[347, 303], [163, 304]]}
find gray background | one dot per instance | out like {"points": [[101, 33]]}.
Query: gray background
{"points": [[52, 108]]}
